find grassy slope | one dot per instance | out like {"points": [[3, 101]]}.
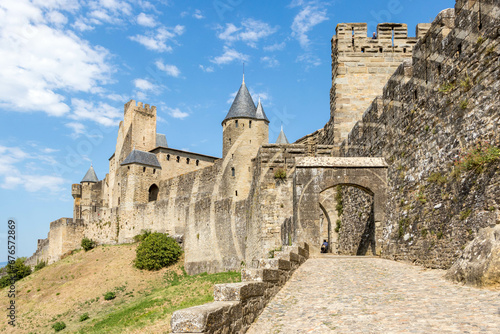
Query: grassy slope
{"points": [[75, 285]]}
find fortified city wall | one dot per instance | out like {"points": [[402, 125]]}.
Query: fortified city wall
{"points": [[436, 113]]}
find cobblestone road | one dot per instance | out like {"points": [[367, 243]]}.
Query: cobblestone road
{"points": [[372, 295]]}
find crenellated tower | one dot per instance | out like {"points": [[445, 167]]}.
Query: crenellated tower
{"points": [[361, 66], [245, 129]]}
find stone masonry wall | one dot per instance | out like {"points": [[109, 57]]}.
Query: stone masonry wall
{"points": [[439, 114]]}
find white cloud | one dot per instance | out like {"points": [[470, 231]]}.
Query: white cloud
{"points": [[177, 113], [208, 69], [40, 62], [146, 20], [270, 61], [311, 14], [310, 59], [157, 40], [198, 15], [143, 84], [11, 176], [100, 112], [275, 47], [229, 56], [170, 70], [78, 129], [250, 32]]}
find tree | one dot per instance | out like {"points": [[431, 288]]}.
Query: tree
{"points": [[157, 250]]}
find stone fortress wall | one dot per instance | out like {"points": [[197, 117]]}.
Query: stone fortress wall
{"points": [[437, 104], [436, 108]]}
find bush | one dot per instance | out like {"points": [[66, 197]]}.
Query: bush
{"points": [[15, 271], [142, 236], [59, 326], [40, 265], [156, 251], [109, 295], [88, 244], [84, 317], [280, 174]]}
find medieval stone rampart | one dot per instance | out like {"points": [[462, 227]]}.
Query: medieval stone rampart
{"points": [[435, 111]]}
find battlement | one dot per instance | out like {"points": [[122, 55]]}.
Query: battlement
{"points": [[139, 106], [391, 37]]}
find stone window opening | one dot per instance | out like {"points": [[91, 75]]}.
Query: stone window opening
{"points": [[250, 124], [154, 170], [187, 161], [144, 169], [404, 50], [236, 192], [197, 162], [178, 158], [95, 208], [229, 141], [153, 192], [362, 50], [236, 123], [381, 50], [168, 157], [128, 167], [233, 171]]}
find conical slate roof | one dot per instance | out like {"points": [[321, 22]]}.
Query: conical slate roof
{"points": [[282, 138], [142, 158], [243, 106], [90, 176], [259, 113]]}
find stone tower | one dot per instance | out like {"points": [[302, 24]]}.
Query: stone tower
{"points": [[361, 66], [245, 129]]}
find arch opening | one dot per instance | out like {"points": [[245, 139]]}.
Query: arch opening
{"points": [[153, 192]]}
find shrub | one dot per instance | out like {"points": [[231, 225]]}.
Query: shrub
{"points": [[156, 251], [88, 244], [142, 236], [477, 157], [280, 174], [338, 225], [84, 317], [15, 271], [59, 326], [109, 295], [40, 265]]}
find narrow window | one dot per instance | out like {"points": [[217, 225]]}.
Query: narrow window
{"points": [[362, 49], [233, 172], [128, 167], [229, 141], [236, 192], [404, 50], [178, 158], [144, 169], [95, 208], [381, 49], [236, 123], [154, 171], [197, 162], [187, 161], [232, 155], [168, 157], [250, 124]]}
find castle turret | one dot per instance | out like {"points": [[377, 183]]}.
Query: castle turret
{"points": [[86, 195], [245, 129], [282, 138]]}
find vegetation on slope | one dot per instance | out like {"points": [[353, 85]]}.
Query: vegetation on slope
{"points": [[72, 291]]}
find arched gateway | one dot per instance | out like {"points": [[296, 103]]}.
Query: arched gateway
{"points": [[315, 175]]}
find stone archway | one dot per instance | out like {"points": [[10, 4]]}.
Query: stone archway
{"points": [[314, 175]]}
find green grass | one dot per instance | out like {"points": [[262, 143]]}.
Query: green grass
{"points": [[180, 291]]}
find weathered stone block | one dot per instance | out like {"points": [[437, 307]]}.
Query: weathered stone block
{"points": [[479, 264], [275, 264], [260, 275], [238, 291], [199, 319]]}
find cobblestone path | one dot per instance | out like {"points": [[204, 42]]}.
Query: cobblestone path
{"points": [[372, 295]]}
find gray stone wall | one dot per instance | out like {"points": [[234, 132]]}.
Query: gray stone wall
{"points": [[434, 112]]}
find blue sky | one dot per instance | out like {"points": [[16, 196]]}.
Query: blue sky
{"points": [[69, 66]]}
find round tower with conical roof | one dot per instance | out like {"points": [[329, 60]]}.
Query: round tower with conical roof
{"points": [[245, 130]]}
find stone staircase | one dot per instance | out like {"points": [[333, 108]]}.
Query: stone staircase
{"points": [[237, 305]]}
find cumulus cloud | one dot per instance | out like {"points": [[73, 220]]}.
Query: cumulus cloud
{"points": [[39, 61], [269, 61], [198, 15], [170, 70], [207, 69], [99, 112], [229, 56], [250, 32], [156, 40], [311, 14], [177, 113], [143, 84], [11, 176], [146, 20]]}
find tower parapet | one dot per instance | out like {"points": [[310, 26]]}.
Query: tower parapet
{"points": [[361, 65]]}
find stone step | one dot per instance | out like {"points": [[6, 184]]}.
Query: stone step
{"points": [[200, 319], [289, 256], [260, 275], [238, 291], [275, 264]]}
